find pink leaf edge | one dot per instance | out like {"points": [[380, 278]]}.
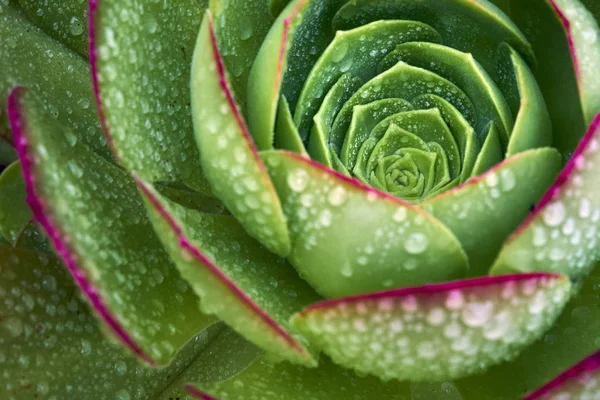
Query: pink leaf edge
{"points": [[578, 371], [18, 125], [194, 391], [563, 178], [429, 289], [567, 25], [92, 8], [287, 23], [232, 104], [187, 245]]}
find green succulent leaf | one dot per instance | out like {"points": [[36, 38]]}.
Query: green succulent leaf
{"points": [[488, 208], [265, 380], [580, 381], [248, 287], [227, 150], [65, 21], [555, 72], [140, 58], [14, 212], [386, 242], [28, 56], [561, 234], [241, 27], [584, 41], [52, 346], [32, 237], [97, 224], [572, 337], [436, 332], [476, 27]]}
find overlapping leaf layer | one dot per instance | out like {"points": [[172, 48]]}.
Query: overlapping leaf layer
{"points": [[368, 193]]}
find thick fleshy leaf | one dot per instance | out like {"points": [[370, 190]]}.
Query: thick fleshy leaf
{"points": [[578, 382], [477, 27], [241, 27], [532, 128], [488, 208], [32, 237], [584, 40], [356, 53], [227, 355], [436, 332], [61, 77], [572, 337], [237, 279], [14, 212], [92, 213], [264, 380], [52, 347], [562, 233], [348, 238], [229, 158], [65, 21], [555, 72], [140, 56], [267, 73]]}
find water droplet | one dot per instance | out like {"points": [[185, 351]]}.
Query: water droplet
{"points": [[122, 394], [477, 314], [337, 196], [13, 326], [246, 28], [297, 180], [508, 180], [416, 243], [339, 52], [76, 27], [400, 214], [554, 214]]}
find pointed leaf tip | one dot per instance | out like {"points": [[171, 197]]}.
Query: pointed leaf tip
{"points": [[228, 155], [582, 381], [562, 233], [19, 126], [465, 326], [227, 280]]}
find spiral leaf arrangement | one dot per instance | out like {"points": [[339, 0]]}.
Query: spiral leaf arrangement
{"points": [[378, 181]]}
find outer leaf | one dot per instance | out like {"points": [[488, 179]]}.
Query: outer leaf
{"points": [[242, 283], [229, 158], [484, 211], [90, 210], [584, 41], [348, 238], [51, 345], [14, 212], [65, 21], [61, 77], [227, 355], [573, 337], [241, 29], [436, 332], [580, 381], [264, 380], [140, 55], [555, 73], [562, 233]]}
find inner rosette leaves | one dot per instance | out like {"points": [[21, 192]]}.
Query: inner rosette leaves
{"points": [[400, 107]]}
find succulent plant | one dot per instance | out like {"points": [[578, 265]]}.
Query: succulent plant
{"points": [[322, 199]]}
